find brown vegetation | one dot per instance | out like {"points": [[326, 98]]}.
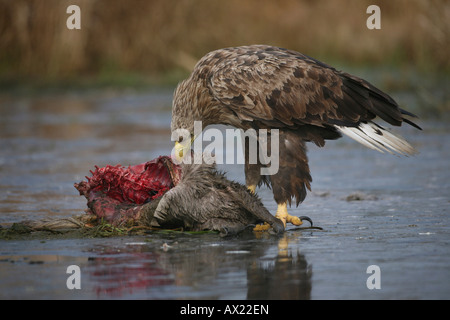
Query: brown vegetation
{"points": [[159, 36]]}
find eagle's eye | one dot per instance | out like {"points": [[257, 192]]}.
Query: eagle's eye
{"points": [[180, 139]]}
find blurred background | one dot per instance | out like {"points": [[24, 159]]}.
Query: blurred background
{"points": [[160, 40]]}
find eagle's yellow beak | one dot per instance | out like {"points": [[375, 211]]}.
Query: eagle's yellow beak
{"points": [[181, 149]]}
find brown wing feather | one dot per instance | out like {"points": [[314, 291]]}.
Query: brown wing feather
{"points": [[285, 88]]}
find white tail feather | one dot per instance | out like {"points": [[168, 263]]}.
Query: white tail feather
{"points": [[378, 138]]}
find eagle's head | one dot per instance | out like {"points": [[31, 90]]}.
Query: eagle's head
{"points": [[185, 112]]}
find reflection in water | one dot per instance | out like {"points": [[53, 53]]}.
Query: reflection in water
{"points": [[123, 275], [287, 277], [218, 270]]}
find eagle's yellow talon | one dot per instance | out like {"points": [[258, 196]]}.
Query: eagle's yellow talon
{"points": [[294, 220], [262, 227], [283, 215]]}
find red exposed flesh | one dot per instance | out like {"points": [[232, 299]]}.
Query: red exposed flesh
{"points": [[116, 193], [136, 184]]}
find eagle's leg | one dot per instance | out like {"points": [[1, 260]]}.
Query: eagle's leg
{"points": [[259, 227], [293, 178], [253, 179]]}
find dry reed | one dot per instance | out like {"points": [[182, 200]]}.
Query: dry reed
{"points": [[159, 36]]}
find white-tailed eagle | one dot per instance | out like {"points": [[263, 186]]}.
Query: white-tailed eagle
{"points": [[265, 87]]}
